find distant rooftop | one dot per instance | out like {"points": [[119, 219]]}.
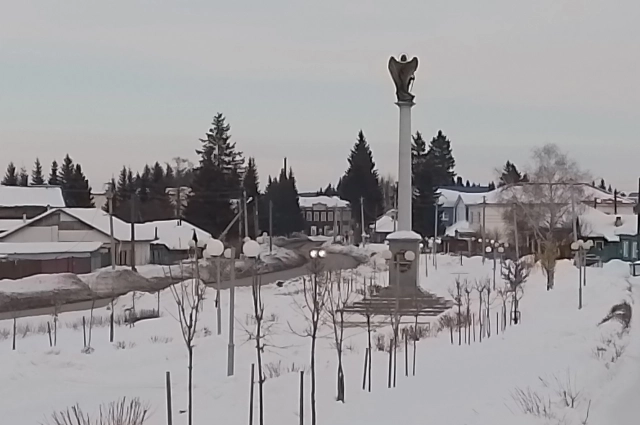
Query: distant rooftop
{"points": [[31, 196]]}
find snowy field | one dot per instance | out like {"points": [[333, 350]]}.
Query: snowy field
{"points": [[555, 348]]}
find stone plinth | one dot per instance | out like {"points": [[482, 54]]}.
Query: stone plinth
{"points": [[404, 273]]}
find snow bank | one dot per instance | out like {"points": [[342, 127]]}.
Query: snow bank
{"points": [[42, 291], [114, 283]]}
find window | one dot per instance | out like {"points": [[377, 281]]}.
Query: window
{"points": [[625, 249], [316, 216], [445, 216], [634, 249], [599, 245], [309, 216], [330, 216], [470, 218], [323, 216]]}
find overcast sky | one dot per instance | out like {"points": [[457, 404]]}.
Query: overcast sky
{"points": [[130, 82]]}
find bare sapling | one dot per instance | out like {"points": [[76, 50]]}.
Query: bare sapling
{"points": [[339, 296], [189, 296], [456, 293], [467, 300], [259, 335], [87, 346], [515, 273], [479, 286]]}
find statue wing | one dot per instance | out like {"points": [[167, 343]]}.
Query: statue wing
{"points": [[393, 67], [412, 65]]}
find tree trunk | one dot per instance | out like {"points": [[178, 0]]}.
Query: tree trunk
{"points": [[260, 375], [369, 353], [190, 402], [313, 378]]}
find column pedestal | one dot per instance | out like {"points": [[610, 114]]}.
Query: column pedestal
{"points": [[403, 274]]}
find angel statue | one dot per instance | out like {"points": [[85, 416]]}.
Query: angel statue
{"points": [[402, 72]]}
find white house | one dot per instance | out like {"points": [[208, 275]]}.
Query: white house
{"points": [[18, 202], [83, 225], [171, 239]]}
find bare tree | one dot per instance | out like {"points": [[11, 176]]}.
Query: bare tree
{"points": [[258, 316], [339, 296], [189, 296], [480, 286], [315, 290], [548, 201], [456, 294], [515, 273], [467, 300]]}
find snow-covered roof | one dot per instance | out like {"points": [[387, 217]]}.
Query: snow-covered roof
{"points": [[328, 201], [409, 235], [386, 223], [595, 223], [461, 227], [449, 197], [15, 248], [92, 217], [8, 224], [174, 234], [502, 195], [31, 196], [99, 220]]}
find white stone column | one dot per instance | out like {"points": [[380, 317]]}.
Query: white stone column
{"points": [[404, 167]]}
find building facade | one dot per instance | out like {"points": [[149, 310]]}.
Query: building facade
{"points": [[326, 215]]}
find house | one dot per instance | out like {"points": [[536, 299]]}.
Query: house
{"points": [[613, 236], [18, 260], [451, 204], [326, 215], [25, 202], [171, 239], [84, 225], [384, 226]]}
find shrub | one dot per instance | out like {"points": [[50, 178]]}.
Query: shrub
{"points": [[121, 412], [160, 339]]}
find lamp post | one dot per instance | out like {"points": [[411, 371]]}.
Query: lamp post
{"points": [[215, 249], [426, 261], [230, 254], [580, 247], [496, 248], [433, 244]]}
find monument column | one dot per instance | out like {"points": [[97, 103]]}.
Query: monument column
{"points": [[404, 166], [404, 244]]}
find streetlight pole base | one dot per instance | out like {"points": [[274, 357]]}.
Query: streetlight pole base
{"points": [[230, 362]]}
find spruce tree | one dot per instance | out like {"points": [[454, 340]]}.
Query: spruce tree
{"points": [[491, 186], [467, 184], [283, 193], [441, 157], [36, 175], [66, 181], [361, 181], [169, 176], [510, 175], [459, 182], [23, 177], [425, 193], [602, 185], [10, 177], [54, 178], [82, 197], [252, 190], [216, 181]]}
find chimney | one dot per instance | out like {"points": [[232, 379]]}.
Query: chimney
{"points": [[618, 222], [156, 234], [24, 217], [615, 201]]}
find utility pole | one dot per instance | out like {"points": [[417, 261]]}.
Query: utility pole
{"points": [[270, 226], [362, 219], [246, 216], [484, 238], [395, 203], [578, 256], [112, 239], [178, 202], [133, 232], [638, 224], [515, 230], [256, 216], [435, 238], [335, 222]]}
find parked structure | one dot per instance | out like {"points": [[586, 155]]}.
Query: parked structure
{"points": [[84, 225], [18, 260], [613, 236], [171, 239], [326, 215]]}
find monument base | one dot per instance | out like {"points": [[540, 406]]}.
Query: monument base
{"points": [[403, 274]]}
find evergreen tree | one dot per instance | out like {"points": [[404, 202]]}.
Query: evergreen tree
{"points": [[468, 184], [10, 177], [143, 185], [169, 177], [54, 178], [491, 186], [441, 157], [216, 181], [361, 181], [23, 177], [252, 190], [609, 189], [511, 175], [459, 181], [283, 193], [425, 194], [81, 191], [36, 174], [66, 181], [602, 185]]}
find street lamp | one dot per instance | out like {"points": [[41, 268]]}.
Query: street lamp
{"points": [[496, 248], [215, 249], [230, 254], [581, 247], [433, 244]]}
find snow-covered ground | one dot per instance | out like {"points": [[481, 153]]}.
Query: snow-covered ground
{"points": [[454, 384]]}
